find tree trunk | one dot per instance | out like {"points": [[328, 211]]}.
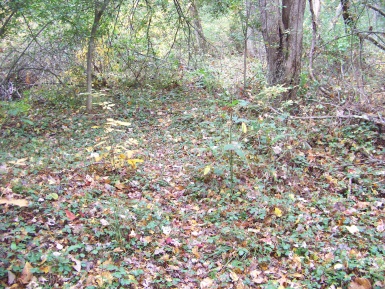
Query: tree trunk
{"points": [[282, 30], [250, 30], [197, 25], [91, 47]]}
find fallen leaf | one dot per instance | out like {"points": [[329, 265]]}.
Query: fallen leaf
{"points": [[78, 264], [206, 170], [277, 212], [206, 283], [234, 276], [244, 127], [53, 196], [26, 275], [195, 251], [380, 226], [257, 277], [70, 215], [352, 229], [105, 277], [360, 283], [133, 162], [253, 230], [338, 266], [19, 202], [45, 269], [119, 186], [104, 222], [166, 230], [277, 150], [11, 278]]}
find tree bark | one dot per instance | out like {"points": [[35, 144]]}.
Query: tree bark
{"points": [[99, 10], [197, 25], [250, 30], [282, 30]]}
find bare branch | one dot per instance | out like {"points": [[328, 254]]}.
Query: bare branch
{"points": [[375, 8], [372, 40], [2, 29]]}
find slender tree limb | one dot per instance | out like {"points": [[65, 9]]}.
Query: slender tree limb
{"points": [[26, 48], [379, 120], [375, 8], [312, 48], [3, 28], [372, 40]]}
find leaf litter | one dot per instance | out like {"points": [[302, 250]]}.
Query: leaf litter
{"points": [[145, 202]]}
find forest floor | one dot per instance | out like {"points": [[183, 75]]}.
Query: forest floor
{"points": [[187, 189]]}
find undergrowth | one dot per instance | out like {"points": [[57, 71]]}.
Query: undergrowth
{"points": [[139, 194]]}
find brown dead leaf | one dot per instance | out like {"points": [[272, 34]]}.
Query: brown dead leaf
{"points": [[119, 186], [70, 215], [26, 275], [360, 283], [19, 202]]}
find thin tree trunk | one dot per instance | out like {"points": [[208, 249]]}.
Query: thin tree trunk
{"points": [[314, 11], [91, 47], [197, 25], [250, 31], [356, 48]]}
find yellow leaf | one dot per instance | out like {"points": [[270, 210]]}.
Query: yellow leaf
{"points": [[45, 269], [234, 276], [244, 127], [133, 162], [206, 170], [19, 202], [195, 252], [277, 212]]}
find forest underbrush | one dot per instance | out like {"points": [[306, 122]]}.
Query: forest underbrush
{"points": [[190, 188]]}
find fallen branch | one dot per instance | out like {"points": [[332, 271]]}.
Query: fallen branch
{"points": [[379, 120]]}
